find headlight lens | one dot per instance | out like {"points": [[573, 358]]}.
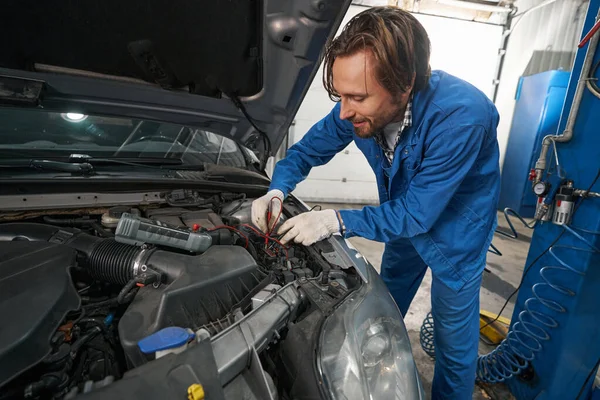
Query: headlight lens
{"points": [[365, 352]]}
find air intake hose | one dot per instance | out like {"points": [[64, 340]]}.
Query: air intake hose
{"points": [[104, 258], [113, 262]]}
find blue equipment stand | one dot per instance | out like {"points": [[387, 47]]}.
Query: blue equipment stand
{"points": [[539, 102], [554, 339]]}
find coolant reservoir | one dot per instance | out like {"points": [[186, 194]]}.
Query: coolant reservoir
{"points": [[137, 231]]}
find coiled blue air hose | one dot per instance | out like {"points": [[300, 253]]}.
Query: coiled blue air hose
{"points": [[513, 232], [426, 336], [533, 327], [426, 332]]}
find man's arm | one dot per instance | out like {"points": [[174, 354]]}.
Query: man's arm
{"points": [[324, 140], [447, 161]]}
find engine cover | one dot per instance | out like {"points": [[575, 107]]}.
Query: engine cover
{"points": [[203, 292], [36, 293]]}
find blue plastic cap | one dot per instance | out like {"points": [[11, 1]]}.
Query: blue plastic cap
{"points": [[167, 338], [109, 319]]}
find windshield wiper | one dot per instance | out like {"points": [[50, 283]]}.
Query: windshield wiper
{"points": [[147, 162], [134, 162], [50, 165], [85, 165]]}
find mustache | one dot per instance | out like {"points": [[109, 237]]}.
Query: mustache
{"points": [[359, 120]]}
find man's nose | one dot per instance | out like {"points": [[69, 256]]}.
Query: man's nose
{"points": [[345, 110]]}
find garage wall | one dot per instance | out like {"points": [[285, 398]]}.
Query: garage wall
{"points": [[544, 39], [466, 49]]}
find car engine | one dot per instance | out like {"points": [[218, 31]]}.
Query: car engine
{"points": [[138, 301]]}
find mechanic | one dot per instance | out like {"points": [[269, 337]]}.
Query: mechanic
{"points": [[431, 141]]}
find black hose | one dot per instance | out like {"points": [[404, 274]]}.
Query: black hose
{"points": [[80, 317], [110, 261], [89, 300], [101, 231], [93, 321], [318, 258], [193, 202], [68, 221], [590, 374], [252, 250], [100, 304], [113, 364], [84, 339], [79, 222], [77, 375], [241, 203], [123, 294], [126, 298], [46, 383]]}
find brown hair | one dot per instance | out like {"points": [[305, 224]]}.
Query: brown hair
{"points": [[398, 41]]}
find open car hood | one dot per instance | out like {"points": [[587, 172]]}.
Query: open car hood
{"points": [[185, 63]]}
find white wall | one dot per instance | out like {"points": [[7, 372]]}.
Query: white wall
{"points": [[556, 27], [466, 49]]}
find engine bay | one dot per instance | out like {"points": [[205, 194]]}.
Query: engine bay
{"points": [[158, 299]]}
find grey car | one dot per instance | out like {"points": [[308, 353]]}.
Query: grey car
{"points": [[134, 138]]}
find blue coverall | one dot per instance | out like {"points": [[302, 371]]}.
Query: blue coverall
{"points": [[437, 208]]}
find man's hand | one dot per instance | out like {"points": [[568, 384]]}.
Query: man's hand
{"points": [[310, 227], [266, 210]]}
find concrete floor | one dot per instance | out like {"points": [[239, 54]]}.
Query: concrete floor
{"points": [[503, 278]]}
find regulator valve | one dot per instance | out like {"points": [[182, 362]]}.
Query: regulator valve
{"points": [[564, 203]]}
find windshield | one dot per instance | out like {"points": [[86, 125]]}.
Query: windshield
{"points": [[36, 134]]}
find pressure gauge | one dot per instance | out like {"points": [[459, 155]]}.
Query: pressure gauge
{"points": [[540, 188]]}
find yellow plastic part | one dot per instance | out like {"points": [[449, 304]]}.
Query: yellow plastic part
{"points": [[496, 331], [196, 392]]}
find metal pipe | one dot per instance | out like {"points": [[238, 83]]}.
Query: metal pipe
{"points": [[583, 193], [591, 87], [502, 53], [540, 165]]}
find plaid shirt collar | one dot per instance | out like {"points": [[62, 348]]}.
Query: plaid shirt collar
{"points": [[380, 139]]}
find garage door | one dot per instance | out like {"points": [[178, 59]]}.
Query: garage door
{"points": [[470, 53]]}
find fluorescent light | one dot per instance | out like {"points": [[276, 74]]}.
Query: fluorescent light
{"points": [[475, 6]]}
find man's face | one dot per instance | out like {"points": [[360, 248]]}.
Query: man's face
{"points": [[365, 103]]}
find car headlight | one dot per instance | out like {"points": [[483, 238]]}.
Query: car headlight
{"points": [[365, 352]]}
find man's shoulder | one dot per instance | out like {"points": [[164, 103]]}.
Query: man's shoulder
{"points": [[453, 101]]}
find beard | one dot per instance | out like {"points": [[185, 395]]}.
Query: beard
{"points": [[369, 128], [372, 125]]}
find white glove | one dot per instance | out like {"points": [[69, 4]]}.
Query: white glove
{"points": [[310, 227], [265, 206]]}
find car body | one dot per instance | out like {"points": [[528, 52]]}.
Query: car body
{"points": [[129, 267]]}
